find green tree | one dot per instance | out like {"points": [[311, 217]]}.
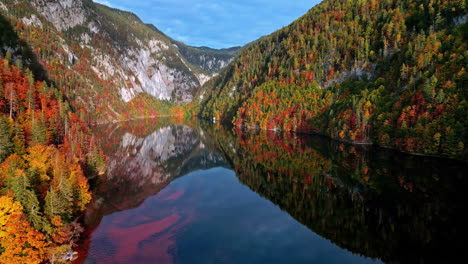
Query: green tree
{"points": [[19, 140], [38, 131], [6, 144], [57, 203]]}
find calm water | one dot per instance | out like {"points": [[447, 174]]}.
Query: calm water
{"points": [[202, 193]]}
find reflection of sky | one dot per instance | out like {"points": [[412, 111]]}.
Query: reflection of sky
{"points": [[216, 23], [209, 217]]}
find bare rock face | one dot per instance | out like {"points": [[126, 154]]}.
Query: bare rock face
{"points": [[136, 67], [3, 7], [63, 14], [155, 77]]}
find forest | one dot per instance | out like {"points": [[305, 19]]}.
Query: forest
{"points": [[47, 154], [388, 72]]}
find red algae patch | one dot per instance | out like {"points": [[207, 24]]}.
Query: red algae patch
{"points": [[174, 196], [130, 238]]}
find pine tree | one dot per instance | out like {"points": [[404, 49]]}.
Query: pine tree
{"points": [[2, 97], [20, 185], [55, 203], [19, 140], [38, 131], [12, 100], [8, 56], [6, 144]]}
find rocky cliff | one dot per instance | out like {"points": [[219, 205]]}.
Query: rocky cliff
{"points": [[100, 54]]}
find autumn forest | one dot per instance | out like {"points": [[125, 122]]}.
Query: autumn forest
{"points": [[389, 73]]}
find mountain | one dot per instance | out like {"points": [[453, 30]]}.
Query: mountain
{"points": [[389, 72], [210, 60], [97, 54]]}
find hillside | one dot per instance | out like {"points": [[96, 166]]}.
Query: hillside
{"points": [[46, 153], [388, 72], [97, 54]]}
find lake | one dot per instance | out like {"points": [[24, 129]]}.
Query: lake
{"points": [[196, 192]]}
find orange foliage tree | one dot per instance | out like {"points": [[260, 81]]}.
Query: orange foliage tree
{"points": [[19, 241]]}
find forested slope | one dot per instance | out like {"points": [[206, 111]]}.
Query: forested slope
{"points": [[45, 152], [391, 72]]}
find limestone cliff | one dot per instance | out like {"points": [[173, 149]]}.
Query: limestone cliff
{"points": [[109, 60]]}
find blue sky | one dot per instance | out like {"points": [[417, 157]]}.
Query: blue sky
{"points": [[216, 23]]}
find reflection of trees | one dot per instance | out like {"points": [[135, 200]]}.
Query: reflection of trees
{"points": [[376, 203]]}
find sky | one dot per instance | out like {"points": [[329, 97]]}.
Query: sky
{"points": [[215, 23]]}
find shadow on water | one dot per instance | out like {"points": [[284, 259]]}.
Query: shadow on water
{"points": [[378, 203], [373, 202]]}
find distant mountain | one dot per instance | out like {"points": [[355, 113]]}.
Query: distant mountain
{"points": [[97, 54], [206, 58], [393, 73], [210, 60]]}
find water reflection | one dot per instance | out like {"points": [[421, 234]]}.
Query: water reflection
{"points": [[143, 158], [374, 203], [395, 207]]}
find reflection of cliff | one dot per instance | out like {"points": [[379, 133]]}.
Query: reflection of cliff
{"points": [[394, 207], [143, 159], [151, 160]]}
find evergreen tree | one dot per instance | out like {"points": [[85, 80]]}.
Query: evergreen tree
{"points": [[19, 140], [38, 131], [55, 203], [6, 144]]}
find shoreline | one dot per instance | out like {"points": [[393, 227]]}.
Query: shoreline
{"points": [[370, 143], [131, 119]]}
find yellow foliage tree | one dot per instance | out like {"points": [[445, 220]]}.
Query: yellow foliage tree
{"points": [[39, 160], [81, 187], [19, 241]]}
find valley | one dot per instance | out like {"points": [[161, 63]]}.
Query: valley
{"points": [[345, 129]]}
